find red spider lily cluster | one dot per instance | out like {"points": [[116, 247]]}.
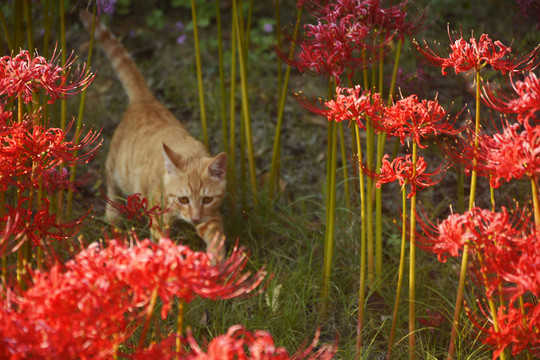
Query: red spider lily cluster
{"points": [[401, 169], [345, 31], [476, 54], [239, 343], [526, 104], [136, 208], [34, 157], [506, 250], [92, 304], [412, 119], [353, 104], [24, 75]]}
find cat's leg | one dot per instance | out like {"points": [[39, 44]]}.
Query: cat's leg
{"points": [[160, 225], [113, 194], [211, 231]]}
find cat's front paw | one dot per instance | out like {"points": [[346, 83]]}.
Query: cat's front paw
{"points": [[216, 247]]}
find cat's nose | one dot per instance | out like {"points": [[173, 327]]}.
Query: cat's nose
{"points": [[196, 220]]}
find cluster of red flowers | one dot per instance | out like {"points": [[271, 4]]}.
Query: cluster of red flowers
{"points": [[239, 343], [89, 306], [402, 170], [345, 31], [34, 156], [507, 266], [24, 75], [476, 54], [136, 207]]}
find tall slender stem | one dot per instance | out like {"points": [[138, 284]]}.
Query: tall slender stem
{"points": [[245, 99], [223, 96], [330, 220], [80, 115], [465, 256], [536, 203], [412, 265], [362, 280], [400, 271], [179, 326], [231, 174], [202, 106], [281, 107]]}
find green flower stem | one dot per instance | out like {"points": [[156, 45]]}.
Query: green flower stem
{"points": [[465, 256], [179, 326], [223, 96], [381, 142], [231, 173], [80, 115], [245, 100], [149, 313], [344, 165], [412, 265], [362, 280], [27, 9], [5, 29], [491, 303], [281, 107], [369, 199], [400, 272], [536, 203], [202, 106], [330, 220]]}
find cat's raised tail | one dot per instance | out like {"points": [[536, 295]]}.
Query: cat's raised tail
{"points": [[128, 73]]}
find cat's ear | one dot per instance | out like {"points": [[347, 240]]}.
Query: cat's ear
{"points": [[218, 166], [169, 158]]}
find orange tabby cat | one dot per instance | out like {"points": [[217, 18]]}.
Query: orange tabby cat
{"points": [[151, 153]]}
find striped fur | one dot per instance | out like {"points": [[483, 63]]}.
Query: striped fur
{"points": [[153, 154]]}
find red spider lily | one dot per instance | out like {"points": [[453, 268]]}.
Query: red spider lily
{"points": [[476, 54], [478, 227], [502, 156], [331, 48], [518, 329], [339, 41], [239, 343], [401, 170], [514, 261], [526, 104], [353, 104], [412, 119], [433, 319], [23, 75], [37, 226], [33, 150], [84, 311], [136, 208]]}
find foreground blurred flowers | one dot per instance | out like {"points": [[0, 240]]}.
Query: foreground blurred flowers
{"points": [[92, 304]]}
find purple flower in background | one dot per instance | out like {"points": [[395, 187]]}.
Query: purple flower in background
{"points": [[106, 6], [268, 28], [181, 39], [179, 25]]}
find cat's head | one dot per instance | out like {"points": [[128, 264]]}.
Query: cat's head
{"points": [[193, 187]]}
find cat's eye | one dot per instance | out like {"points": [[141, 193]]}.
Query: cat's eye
{"points": [[183, 200], [207, 200]]}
